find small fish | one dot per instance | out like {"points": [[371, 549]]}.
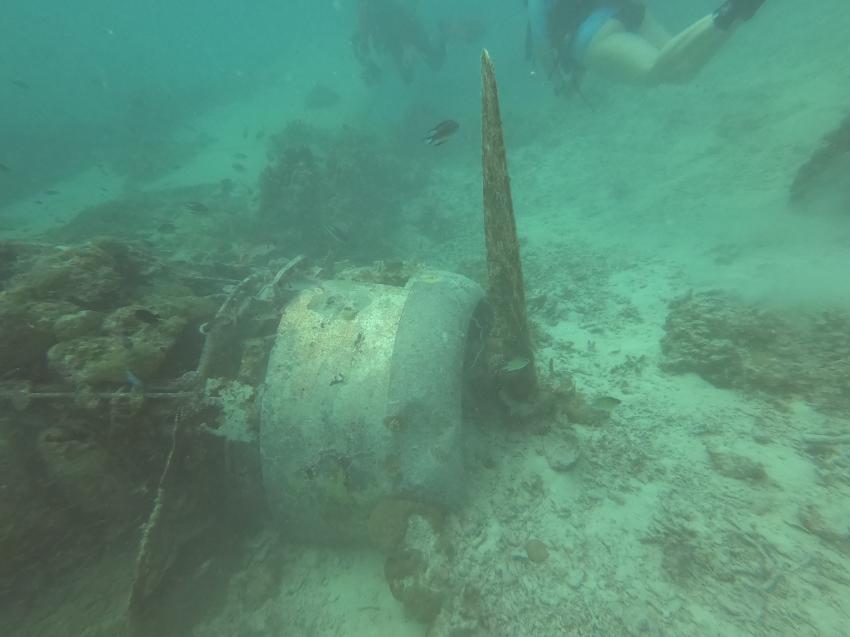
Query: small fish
{"points": [[21, 85], [4, 168], [146, 316], [239, 168], [605, 403], [321, 96], [134, 382], [441, 132], [52, 193], [240, 156], [515, 365], [166, 228], [196, 207], [338, 231]]}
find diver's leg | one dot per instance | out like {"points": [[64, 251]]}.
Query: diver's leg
{"points": [[689, 51], [629, 57], [620, 55], [653, 32]]}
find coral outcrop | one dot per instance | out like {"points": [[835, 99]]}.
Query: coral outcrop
{"points": [[803, 354]]}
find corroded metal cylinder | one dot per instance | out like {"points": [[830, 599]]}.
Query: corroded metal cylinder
{"points": [[362, 402]]}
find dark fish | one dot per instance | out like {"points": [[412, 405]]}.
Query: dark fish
{"points": [[239, 168], [441, 132], [605, 403], [338, 231], [321, 96], [146, 316], [166, 228], [133, 382], [515, 365], [21, 85], [240, 156], [260, 134], [51, 192], [196, 207], [4, 168]]}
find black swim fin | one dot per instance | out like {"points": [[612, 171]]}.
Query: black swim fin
{"points": [[733, 11]]}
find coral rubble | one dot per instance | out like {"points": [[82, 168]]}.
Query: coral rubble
{"points": [[732, 344]]}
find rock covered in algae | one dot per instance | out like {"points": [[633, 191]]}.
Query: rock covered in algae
{"points": [[26, 331], [825, 172], [562, 451], [91, 313], [91, 276], [318, 182], [85, 473], [128, 342], [536, 551], [76, 323], [794, 353], [418, 570], [47, 285]]}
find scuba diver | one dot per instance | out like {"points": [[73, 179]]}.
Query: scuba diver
{"points": [[621, 40], [391, 28]]}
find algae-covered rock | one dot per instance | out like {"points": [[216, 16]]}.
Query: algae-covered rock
{"points": [[821, 183], [85, 473], [388, 521], [792, 354], [76, 324], [93, 313], [318, 182], [536, 551], [562, 450], [22, 342], [87, 276], [29, 521], [135, 340], [418, 570], [736, 466], [95, 360]]}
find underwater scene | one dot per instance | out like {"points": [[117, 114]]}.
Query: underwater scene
{"points": [[408, 318]]}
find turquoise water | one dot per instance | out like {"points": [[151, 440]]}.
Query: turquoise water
{"points": [[247, 386]]}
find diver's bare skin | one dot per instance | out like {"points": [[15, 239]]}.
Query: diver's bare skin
{"points": [[650, 57], [633, 58]]}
